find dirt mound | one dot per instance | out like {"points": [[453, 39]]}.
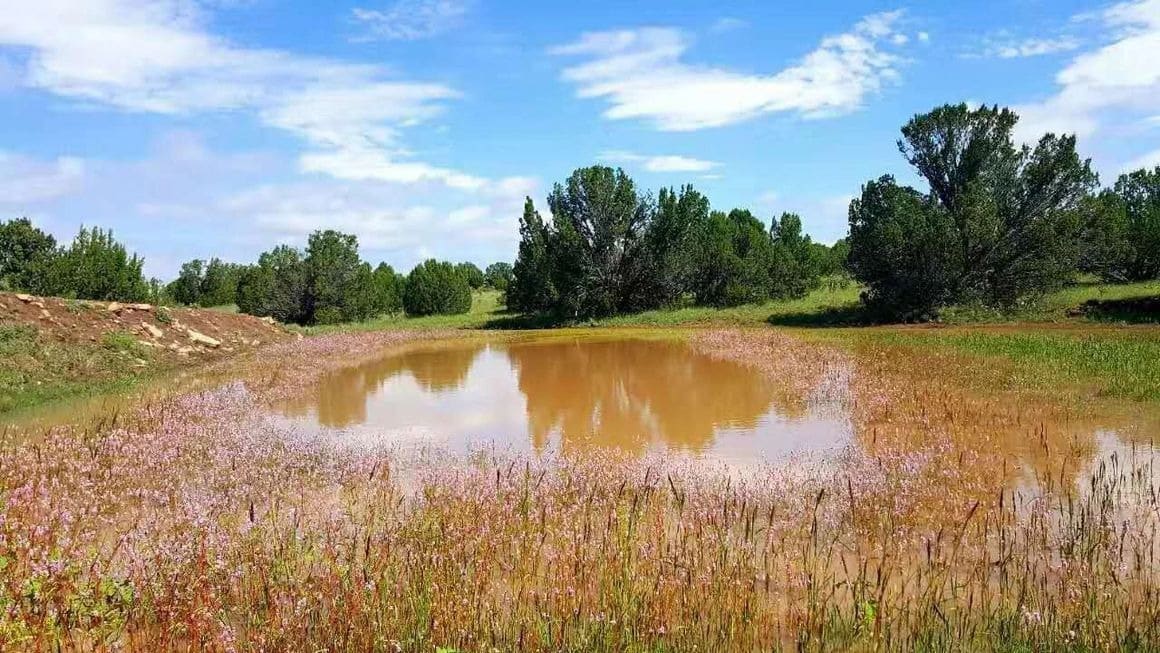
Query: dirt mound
{"points": [[177, 334]]}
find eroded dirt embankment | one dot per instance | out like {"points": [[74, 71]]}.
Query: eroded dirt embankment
{"points": [[177, 334]]}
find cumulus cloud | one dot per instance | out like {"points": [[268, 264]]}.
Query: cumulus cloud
{"points": [[658, 163], [642, 74], [1112, 79], [409, 20], [156, 56]]}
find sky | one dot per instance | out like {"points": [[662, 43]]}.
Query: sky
{"points": [[200, 128]]}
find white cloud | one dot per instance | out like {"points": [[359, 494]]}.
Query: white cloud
{"points": [[155, 56], [659, 163], [641, 74], [1032, 47], [24, 180], [1111, 79], [409, 20]]}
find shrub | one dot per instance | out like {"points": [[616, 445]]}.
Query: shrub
{"points": [[436, 288]]}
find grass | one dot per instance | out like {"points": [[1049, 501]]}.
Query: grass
{"points": [[196, 524], [35, 371], [1114, 363]]}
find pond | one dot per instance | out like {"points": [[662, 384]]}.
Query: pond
{"points": [[636, 395]]}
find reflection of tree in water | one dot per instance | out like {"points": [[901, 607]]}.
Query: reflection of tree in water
{"points": [[625, 394], [341, 399]]}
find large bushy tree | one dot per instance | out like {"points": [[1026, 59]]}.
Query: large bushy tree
{"points": [[96, 266], [436, 288], [276, 286], [1000, 222], [25, 255], [332, 268], [219, 284], [186, 288]]}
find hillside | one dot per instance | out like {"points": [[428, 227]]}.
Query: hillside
{"points": [[52, 347]]}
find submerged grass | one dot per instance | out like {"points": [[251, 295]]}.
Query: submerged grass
{"points": [[197, 524]]}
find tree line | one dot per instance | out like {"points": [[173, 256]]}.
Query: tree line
{"points": [[610, 248], [93, 266], [998, 224]]}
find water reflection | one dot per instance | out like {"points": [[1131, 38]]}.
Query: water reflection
{"points": [[633, 395]]}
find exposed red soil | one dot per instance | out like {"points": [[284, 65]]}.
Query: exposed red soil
{"points": [[176, 335]]}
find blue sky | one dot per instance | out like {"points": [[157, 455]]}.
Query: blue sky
{"points": [[197, 128]]}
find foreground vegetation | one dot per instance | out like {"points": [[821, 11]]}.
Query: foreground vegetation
{"points": [[195, 524]]}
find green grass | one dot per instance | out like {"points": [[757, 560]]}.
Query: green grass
{"points": [[36, 371], [1120, 363], [1063, 305]]}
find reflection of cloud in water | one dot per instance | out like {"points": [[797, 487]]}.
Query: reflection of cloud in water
{"points": [[634, 395]]}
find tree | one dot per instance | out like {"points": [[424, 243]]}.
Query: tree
{"points": [[668, 261], [732, 260], [531, 289], [600, 260], [436, 288], [1122, 229], [96, 266], [472, 274], [1011, 215], [332, 263], [25, 255], [498, 275], [219, 285], [794, 265], [388, 286], [275, 287], [186, 288]]}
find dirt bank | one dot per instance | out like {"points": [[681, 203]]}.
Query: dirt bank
{"points": [[52, 347]]}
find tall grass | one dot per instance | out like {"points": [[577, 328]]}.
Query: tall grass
{"points": [[196, 523]]}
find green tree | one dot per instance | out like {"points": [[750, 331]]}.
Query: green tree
{"points": [[732, 260], [436, 288], [498, 275], [219, 285], [388, 286], [96, 266], [667, 263], [599, 250], [794, 264], [1012, 215], [531, 289], [275, 287], [472, 274], [1122, 229], [25, 255], [186, 288], [332, 264]]}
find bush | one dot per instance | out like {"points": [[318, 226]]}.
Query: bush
{"points": [[436, 288]]}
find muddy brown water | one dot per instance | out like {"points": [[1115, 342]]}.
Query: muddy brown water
{"points": [[633, 395]]}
